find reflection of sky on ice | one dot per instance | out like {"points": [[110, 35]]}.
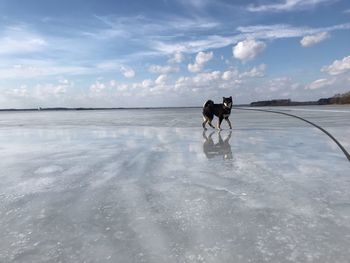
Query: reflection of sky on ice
{"points": [[150, 186]]}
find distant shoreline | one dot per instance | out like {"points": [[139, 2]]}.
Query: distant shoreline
{"points": [[96, 109], [338, 99], [159, 108]]}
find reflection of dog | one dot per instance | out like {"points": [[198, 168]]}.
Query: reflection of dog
{"points": [[222, 111], [221, 148]]}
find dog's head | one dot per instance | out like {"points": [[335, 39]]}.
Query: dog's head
{"points": [[227, 102]]}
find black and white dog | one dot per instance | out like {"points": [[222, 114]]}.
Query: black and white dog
{"points": [[222, 111]]}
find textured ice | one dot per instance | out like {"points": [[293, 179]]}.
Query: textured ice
{"points": [[151, 186]]}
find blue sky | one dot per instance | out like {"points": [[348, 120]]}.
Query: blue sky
{"points": [[171, 53]]}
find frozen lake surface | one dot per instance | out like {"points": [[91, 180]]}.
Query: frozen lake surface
{"points": [[150, 186]]}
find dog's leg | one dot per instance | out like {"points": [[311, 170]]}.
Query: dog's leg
{"points": [[208, 120], [219, 123], [229, 123]]}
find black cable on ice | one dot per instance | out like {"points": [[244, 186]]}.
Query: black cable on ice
{"points": [[347, 155]]}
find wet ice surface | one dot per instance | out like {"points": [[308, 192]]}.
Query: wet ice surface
{"points": [[150, 186]]}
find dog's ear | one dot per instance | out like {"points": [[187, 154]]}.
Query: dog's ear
{"points": [[231, 97], [223, 98]]}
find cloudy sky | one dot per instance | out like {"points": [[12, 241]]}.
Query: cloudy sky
{"points": [[134, 53]]}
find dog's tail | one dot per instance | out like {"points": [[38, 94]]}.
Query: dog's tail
{"points": [[208, 103]]}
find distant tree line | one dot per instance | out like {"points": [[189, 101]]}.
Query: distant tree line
{"points": [[336, 99]]}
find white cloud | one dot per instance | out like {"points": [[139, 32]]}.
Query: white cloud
{"points": [[63, 86], [230, 74], [331, 84], [197, 4], [214, 80], [180, 23], [201, 81], [153, 34], [140, 25], [255, 72], [214, 41], [20, 92], [201, 59], [273, 31], [109, 65], [194, 67], [311, 40], [211, 82], [161, 80], [178, 57], [97, 87], [43, 92], [319, 83], [205, 42], [109, 90], [248, 49], [338, 66], [17, 40], [115, 65], [286, 5], [162, 69], [194, 46], [127, 72], [279, 84], [60, 90], [112, 93], [27, 69], [279, 31], [147, 83], [48, 90]]}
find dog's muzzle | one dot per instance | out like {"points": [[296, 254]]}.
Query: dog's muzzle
{"points": [[227, 105]]}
